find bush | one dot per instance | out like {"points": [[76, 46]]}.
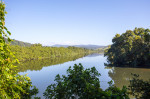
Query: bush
{"points": [[82, 84]]}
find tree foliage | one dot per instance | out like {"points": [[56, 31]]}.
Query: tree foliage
{"points": [[12, 85], [82, 84], [132, 48], [37, 51]]}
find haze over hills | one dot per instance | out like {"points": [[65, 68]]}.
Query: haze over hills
{"points": [[89, 46]]}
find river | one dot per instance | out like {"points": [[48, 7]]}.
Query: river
{"points": [[43, 72]]}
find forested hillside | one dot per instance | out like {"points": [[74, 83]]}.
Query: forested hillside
{"points": [[101, 50], [16, 42], [27, 51], [37, 51]]}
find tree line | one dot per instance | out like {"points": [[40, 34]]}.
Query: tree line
{"points": [[37, 51]]}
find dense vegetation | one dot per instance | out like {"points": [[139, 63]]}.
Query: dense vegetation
{"points": [[132, 48], [101, 50], [37, 51], [82, 84], [12, 85]]}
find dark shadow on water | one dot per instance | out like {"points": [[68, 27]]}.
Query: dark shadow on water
{"points": [[127, 66], [121, 75]]}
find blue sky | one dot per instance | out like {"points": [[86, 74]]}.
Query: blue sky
{"points": [[74, 21]]}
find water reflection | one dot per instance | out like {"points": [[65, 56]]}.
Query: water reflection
{"points": [[43, 72], [94, 55], [121, 76], [39, 64]]}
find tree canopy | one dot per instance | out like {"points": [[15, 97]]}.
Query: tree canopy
{"points": [[132, 48], [82, 84]]}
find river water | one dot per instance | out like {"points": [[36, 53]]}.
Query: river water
{"points": [[43, 75]]}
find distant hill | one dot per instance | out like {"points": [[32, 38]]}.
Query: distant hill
{"points": [[20, 43], [82, 46], [89, 46]]}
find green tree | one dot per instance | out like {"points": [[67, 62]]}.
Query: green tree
{"points": [[132, 48], [82, 84], [12, 85]]}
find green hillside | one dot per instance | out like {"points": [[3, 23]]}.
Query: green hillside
{"points": [[20, 43]]}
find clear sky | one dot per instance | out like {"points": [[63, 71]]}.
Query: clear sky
{"points": [[74, 21]]}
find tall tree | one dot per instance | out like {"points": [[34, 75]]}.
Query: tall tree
{"points": [[12, 85], [132, 48]]}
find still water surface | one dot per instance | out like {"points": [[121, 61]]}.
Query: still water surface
{"points": [[45, 76]]}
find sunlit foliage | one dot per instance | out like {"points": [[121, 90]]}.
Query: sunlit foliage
{"points": [[37, 51], [12, 85], [132, 48]]}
